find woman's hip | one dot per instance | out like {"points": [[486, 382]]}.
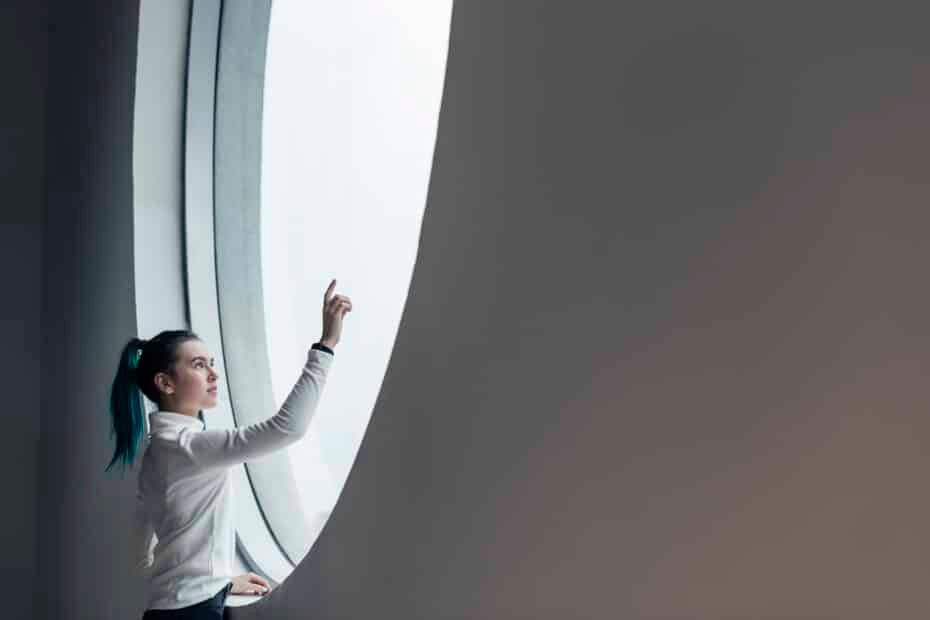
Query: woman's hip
{"points": [[210, 609]]}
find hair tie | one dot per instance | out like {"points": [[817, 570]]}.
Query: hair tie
{"points": [[134, 357]]}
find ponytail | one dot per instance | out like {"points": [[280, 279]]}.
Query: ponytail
{"points": [[127, 409], [135, 378]]}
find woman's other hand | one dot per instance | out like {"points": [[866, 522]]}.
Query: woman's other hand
{"points": [[249, 583], [335, 307]]}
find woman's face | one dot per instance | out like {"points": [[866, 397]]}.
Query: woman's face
{"points": [[194, 384]]}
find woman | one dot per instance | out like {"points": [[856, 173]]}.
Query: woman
{"points": [[184, 534]]}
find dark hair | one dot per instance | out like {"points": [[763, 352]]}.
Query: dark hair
{"points": [[139, 362]]}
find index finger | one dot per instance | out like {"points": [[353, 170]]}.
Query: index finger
{"points": [[329, 291]]}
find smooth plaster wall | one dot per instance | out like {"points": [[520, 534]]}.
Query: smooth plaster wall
{"points": [[665, 349], [23, 38], [158, 165], [88, 311]]}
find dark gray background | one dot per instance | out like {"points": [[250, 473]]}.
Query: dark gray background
{"points": [[23, 50], [664, 351]]}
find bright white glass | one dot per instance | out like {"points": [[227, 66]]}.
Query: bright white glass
{"points": [[351, 106]]}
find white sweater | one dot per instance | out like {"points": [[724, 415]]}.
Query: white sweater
{"points": [[184, 535]]}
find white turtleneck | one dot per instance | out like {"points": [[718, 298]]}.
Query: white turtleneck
{"points": [[184, 535]]}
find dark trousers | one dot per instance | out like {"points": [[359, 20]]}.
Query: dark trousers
{"points": [[210, 609]]}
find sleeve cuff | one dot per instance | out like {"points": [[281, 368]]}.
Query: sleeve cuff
{"points": [[322, 347]]}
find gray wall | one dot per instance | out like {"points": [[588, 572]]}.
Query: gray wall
{"points": [[663, 351], [88, 311], [23, 57]]}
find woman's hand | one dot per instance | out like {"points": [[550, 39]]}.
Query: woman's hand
{"points": [[335, 307], [249, 583]]}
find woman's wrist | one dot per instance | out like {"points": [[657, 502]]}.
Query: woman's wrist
{"points": [[326, 344]]}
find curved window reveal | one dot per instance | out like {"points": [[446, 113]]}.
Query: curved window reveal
{"points": [[351, 106]]}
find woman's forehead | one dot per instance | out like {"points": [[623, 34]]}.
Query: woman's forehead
{"points": [[194, 348]]}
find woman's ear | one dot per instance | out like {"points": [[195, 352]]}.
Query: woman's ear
{"points": [[163, 383]]}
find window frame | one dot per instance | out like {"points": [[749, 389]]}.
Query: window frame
{"points": [[222, 157]]}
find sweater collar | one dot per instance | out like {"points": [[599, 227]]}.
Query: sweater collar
{"points": [[163, 420]]}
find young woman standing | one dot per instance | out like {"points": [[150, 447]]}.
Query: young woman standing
{"points": [[184, 538]]}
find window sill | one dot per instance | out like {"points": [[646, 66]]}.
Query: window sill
{"points": [[240, 600]]}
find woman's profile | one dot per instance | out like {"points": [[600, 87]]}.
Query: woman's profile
{"points": [[183, 534]]}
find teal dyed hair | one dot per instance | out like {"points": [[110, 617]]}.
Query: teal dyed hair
{"points": [[139, 362], [127, 410]]}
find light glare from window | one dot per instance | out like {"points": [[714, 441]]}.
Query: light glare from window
{"points": [[351, 106]]}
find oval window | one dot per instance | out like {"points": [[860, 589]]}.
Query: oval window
{"points": [[351, 105]]}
